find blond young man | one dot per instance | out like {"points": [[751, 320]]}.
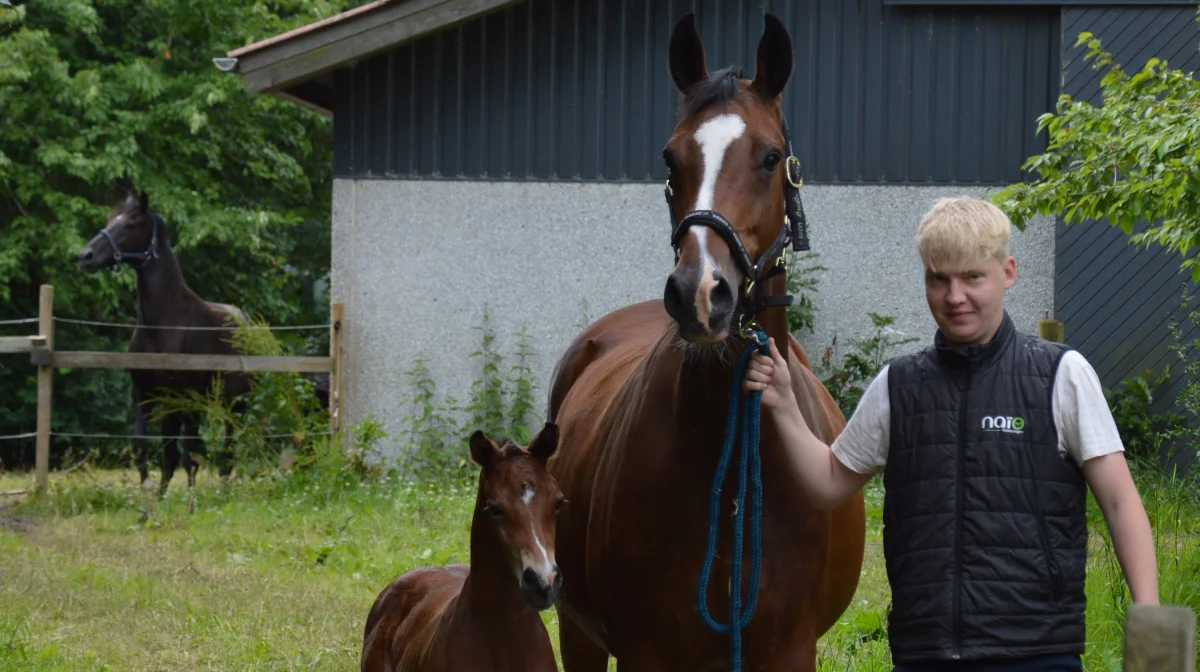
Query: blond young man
{"points": [[987, 441]]}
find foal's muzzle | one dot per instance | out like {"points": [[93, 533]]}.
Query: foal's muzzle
{"points": [[539, 593]]}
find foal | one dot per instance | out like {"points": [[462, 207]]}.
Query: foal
{"points": [[482, 616]]}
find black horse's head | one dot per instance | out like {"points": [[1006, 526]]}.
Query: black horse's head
{"points": [[131, 235]]}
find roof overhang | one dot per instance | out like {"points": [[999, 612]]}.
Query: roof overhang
{"points": [[298, 65]]}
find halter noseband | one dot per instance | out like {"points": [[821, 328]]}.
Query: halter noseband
{"points": [[130, 258], [749, 304]]}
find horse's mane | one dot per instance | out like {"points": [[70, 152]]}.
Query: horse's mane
{"points": [[722, 86]]}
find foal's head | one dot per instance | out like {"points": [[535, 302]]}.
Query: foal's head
{"points": [[132, 235], [521, 500], [727, 155]]}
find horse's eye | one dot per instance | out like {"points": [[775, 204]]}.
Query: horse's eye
{"points": [[494, 511], [772, 160], [558, 504]]}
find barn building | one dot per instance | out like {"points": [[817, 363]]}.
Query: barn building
{"points": [[506, 154]]}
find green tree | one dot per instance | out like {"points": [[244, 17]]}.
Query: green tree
{"points": [[101, 97], [1133, 159]]}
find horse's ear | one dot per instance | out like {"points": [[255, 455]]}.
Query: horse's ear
{"points": [[545, 443], [686, 56], [144, 201], [483, 451], [773, 65]]}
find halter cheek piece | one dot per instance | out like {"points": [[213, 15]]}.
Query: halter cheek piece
{"points": [[133, 258], [749, 303]]}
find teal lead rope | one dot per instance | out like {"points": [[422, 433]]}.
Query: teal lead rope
{"points": [[749, 461]]}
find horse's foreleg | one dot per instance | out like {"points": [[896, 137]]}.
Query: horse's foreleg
{"points": [[141, 422], [191, 445], [171, 426], [579, 652]]}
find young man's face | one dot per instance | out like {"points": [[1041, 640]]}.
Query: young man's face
{"points": [[967, 298]]}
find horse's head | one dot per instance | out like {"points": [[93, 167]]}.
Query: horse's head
{"points": [[522, 501], [129, 236], [732, 186]]}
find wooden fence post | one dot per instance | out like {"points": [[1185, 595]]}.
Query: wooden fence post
{"points": [[1160, 639], [336, 407], [45, 388]]}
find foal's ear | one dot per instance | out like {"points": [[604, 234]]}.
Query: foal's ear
{"points": [[687, 55], [773, 65], [545, 443], [144, 201], [483, 450]]}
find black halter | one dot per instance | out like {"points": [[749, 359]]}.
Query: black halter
{"points": [[131, 258], [749, 304]]}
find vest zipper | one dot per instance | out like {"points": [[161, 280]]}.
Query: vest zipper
{"points": [[958, 519]]}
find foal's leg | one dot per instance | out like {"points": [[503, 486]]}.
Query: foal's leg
{"points": [[191, 444], [579, 653], [170, 427], [141, 421]]}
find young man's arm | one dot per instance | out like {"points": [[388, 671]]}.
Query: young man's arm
{"points": [[1092, 440], [826, 480], [1108, 477]]}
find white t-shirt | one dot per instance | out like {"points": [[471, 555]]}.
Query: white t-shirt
{"points": [[1086, 428]]}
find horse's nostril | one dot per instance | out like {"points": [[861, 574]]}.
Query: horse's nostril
{"points": [[85, 255], [529, 578], [673, 298], [722, 297]]}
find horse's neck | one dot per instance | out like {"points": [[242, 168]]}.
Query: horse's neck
{"points": [[161, 291]]}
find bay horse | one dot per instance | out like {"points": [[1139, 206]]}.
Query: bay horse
{"points": [[641, 398], [485, 615], [136, 235]]}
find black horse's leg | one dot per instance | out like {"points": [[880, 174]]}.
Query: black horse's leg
{"points": [[171, 426], [141, 423], [191, 445], [225, 464]]}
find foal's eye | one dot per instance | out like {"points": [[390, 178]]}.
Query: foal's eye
{"points": [[494, 511], [772, 159], [558, 504]]}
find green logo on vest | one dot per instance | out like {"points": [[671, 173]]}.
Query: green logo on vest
{"points": [[1003, 423]]}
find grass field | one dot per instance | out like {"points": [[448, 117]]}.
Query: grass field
{"points": [[279, 575]]}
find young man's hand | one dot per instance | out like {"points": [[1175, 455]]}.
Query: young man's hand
{"points": [[770, 375]]}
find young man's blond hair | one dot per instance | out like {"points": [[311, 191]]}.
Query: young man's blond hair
{"points": [[962, 230]]}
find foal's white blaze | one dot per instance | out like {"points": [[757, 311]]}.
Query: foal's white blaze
{"points": [[714, 137], [544, 566]]}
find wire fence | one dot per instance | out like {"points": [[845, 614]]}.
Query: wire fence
{"points": [[130, 325], [134, 325], [76, 435]]}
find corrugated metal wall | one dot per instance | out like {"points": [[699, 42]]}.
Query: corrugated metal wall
{"points": [[1115, 301], [579, 89]]}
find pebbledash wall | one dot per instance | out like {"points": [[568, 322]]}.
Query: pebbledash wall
{"points": [[416, 261], [513, 161]]}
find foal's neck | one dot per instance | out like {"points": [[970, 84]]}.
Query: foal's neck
{"points": [[490, 584]]}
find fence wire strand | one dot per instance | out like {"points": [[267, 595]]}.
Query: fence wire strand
{"points": [[128, 325], [14, 437], [24, 320], [72, 435]]}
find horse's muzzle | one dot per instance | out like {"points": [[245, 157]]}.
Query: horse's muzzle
{"points": [[703, 309], [539, 593]]}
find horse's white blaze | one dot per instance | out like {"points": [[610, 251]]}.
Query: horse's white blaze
{"points": [[714, 137], [527, 495]]}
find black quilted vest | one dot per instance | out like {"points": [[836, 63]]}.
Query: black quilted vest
{"points": [[985, 529]]}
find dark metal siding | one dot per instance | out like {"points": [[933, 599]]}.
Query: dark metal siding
{"points": [[579, 89], [1114, 299]]}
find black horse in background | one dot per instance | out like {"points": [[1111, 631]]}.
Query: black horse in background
{"points": [[137, 236]]}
